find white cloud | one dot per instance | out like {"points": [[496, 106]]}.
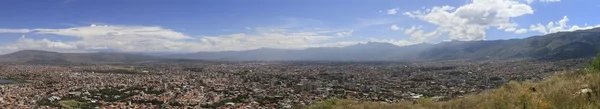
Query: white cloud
{"points": [[43, 44], [345, 33], [529, 1], [14, 30], [539, 27], [393, 41], [95, 31], [395, 27], [393, 11], [510, 29], [545, 1], [470, 21], [122, 38], [521, 31], [575, 27], [559, 26], [420, 36], [270, 40], [549, 0], [158, 39], [339, 44], [412, 29]]}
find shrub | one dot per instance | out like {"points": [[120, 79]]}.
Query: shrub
{"points": [[595, 65]]}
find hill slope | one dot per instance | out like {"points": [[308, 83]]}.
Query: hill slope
{"points": [[563, 45]]}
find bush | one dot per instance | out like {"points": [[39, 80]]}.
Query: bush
{"points": [[595, 65]]}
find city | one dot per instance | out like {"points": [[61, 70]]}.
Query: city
{"points": [[299, 54], [258, 84]]}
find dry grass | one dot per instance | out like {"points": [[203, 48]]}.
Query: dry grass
{"points": [[555, 92]]}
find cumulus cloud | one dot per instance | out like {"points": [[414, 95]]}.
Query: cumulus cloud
{"points": [[395, 27], [470, 21], [559, 26], [393, 11]]}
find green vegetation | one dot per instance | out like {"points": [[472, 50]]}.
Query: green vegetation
{"points": [[595, 65], [566, 90]]}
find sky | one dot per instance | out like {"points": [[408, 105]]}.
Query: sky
{"points": [[183, 26]]}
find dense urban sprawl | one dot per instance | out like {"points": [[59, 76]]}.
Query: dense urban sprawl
{"points": [[256, 84]]}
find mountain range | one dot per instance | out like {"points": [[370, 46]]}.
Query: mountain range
{"points": [[562, 45]]}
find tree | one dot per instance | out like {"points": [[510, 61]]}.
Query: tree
{"points": [[595, 65]]}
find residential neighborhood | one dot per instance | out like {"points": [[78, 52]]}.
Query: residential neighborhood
{"points": [[257, 84]]}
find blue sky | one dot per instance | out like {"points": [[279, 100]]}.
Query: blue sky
{"points": [[223, 25]]}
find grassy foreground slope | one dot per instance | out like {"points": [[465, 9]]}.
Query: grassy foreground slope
{"points": [[565, 90]]}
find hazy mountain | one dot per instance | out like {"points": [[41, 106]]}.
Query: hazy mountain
{"points": [[37, 56], [562, 45], [361, 52]]}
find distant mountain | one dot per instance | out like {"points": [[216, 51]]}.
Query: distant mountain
{"points": [[562, 45], [373, 51], [37, 56]]}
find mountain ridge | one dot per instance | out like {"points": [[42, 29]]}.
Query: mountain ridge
{"points": [[561, 45]]}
